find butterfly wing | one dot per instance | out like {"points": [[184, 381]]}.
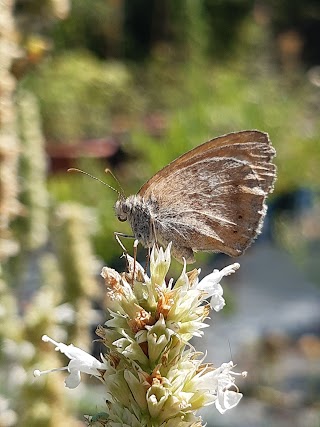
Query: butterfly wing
{"points": [[212, 198]]}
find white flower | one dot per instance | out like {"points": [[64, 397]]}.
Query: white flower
{"points": [[80, 361], [210, 285], [226, 398], [217, 383]]}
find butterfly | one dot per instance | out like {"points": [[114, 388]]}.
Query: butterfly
{"points": [[211, 198]]}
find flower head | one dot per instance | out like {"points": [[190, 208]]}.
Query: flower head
{"points": [[151, 375]]}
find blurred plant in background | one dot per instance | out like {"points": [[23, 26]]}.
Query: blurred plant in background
{"points": [[96, 91], [9, 145], [33, 168]]}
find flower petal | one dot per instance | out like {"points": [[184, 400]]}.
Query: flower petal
{"points": [[227, 399], [73, 380]]}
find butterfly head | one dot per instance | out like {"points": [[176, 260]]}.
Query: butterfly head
{"points": [[140, 214], [122, 209]]}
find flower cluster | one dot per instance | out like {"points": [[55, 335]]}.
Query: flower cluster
{"points": [[153, 377]]}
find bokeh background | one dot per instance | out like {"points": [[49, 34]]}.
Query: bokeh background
{"points": [[130, 85]]}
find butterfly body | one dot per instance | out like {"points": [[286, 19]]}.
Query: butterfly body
{"points": [[141, 215], [211, 198], [149, 227]]}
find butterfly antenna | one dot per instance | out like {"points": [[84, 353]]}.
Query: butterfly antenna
{"points": [[97, 179], [107, 170]]}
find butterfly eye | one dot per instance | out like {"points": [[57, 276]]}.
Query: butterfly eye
{"points": [[121, 209], [122, 214]]}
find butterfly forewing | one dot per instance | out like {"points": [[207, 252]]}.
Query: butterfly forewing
{"points": [[251, 146], [213, 197]]}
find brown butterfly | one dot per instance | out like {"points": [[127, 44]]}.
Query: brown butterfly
{"points": [[211, 198]]}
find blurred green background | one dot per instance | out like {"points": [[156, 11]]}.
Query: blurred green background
{"points": [[129, 86]]}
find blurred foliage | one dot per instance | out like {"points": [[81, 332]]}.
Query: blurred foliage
{"points": [[131, 29], [301, 17], [33, 225], [79, 94], [90, 27]]}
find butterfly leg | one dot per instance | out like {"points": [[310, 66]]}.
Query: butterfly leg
{"points": [[135, 246], [148, 259], [154, 230], [117, 236]]}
